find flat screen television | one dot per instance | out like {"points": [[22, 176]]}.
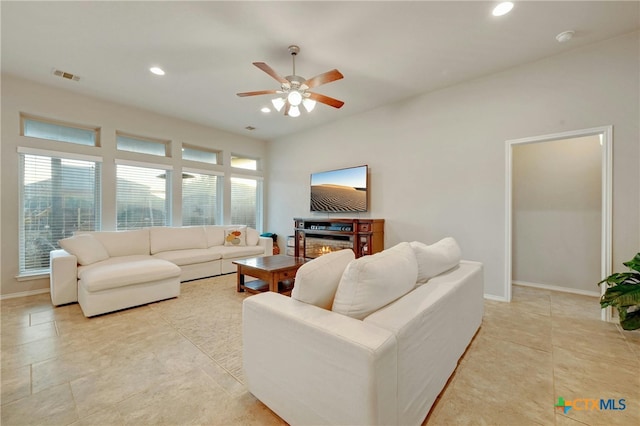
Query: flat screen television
{"points": [[342, 190]]}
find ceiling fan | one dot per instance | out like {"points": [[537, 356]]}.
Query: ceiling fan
{"points": [[294, 90]]}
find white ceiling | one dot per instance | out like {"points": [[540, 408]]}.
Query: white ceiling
{"points": [[387, 51]]}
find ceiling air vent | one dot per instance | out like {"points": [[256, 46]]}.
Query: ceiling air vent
{"points": [[64, 74]]}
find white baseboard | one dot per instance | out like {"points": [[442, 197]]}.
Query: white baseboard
{"points": [[493, 297], [23, 293], [557, 288]]}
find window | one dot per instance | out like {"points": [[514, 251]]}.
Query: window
{"points": [[244, 162], [142, 145], [202, 155], [58, 196], [200, 204], [142, 196], [246, 202], [55, 131]]}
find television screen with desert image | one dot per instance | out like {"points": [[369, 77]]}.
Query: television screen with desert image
{"points": [[342, 190]]}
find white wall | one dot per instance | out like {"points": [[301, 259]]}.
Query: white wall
{"points": [[557, 213], [19, 95], [438, 160]]}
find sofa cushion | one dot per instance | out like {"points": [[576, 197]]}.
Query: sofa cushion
{"points": [[85, 247], [165, 238], [371, 282], [253, 237], [436, 258], [238, 252], [215, 235], [188, 257], [317, 281], [124, 243], [235, 236], [132, 272]]}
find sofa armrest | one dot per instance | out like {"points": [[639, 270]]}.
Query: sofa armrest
{"points": [[313, 366], [267, 243], [63, 277]]}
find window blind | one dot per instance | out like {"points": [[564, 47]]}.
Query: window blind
{"points": [[200, 199], [246, 202], [142, 197], [58, 196]]}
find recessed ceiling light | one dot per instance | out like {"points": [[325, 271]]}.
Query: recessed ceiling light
{"points": [[565, 36], [265, 109], [502, 8], [157, 70]]}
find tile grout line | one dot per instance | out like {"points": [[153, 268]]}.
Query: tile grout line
{"points": [[177, 330]]}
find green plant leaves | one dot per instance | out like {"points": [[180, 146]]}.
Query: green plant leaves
{"points": [[634, 263], [623, 293]]}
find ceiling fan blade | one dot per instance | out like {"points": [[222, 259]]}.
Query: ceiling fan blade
{"points": [[259, 92], [286, 109], [266, 68], [325, 100], [324, 78]]}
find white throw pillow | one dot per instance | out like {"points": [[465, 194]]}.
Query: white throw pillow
{"points": [[253, 237], [371, 282], [86, 248], [316, 281], [436, 258], [235, 236]]}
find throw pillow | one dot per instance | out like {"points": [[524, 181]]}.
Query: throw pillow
{"points": [[235, 236], [436, 258], [86, 248], [316, 281], [253, 237], [371, 282]]}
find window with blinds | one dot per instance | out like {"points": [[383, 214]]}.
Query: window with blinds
{"points": [[200, 204], [58, 196], [142, 196], [246, 202]]}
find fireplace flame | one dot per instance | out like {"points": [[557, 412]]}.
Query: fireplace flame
{"points": [[325, 250]]}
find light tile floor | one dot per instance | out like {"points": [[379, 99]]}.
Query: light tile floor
{"points": [[179, 362]]}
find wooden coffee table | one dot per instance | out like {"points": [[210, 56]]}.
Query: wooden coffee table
{"points": [[274, 273]]}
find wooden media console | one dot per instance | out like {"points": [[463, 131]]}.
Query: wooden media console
{"points": [[315, 237]]}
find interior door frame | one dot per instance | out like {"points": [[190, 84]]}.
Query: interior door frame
{"points": [[606, 135]]}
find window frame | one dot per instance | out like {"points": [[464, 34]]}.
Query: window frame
{"points": [[259, 199], [217, 152], [165, 142], [258, 161], [23, 272], [167, 168], [30, 117], [219, 208]]}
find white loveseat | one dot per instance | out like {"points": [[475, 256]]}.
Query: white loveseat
{"points": [[108, 271], [364, 365]]}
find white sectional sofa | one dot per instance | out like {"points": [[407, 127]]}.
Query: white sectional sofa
{"points": [[108, 271], [370, 341]]}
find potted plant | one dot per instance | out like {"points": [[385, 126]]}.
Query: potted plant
{"points": [[623, 293]]}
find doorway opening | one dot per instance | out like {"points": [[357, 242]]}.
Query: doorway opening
{"points": [[604, 134]]}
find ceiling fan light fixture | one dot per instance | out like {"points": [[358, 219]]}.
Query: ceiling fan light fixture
{"points": [[294, 111], [278, 103], [294, 97], [309, 104]]}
